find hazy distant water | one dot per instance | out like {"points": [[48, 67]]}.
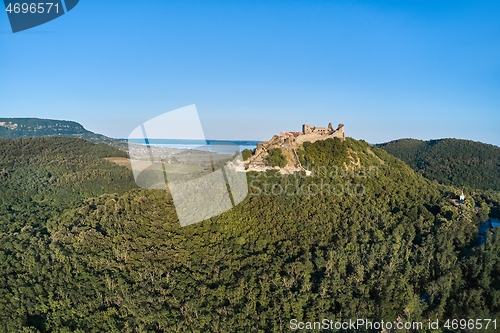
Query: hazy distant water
{"points": [[193, 144]]}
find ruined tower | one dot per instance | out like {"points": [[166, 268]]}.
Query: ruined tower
{"points": [[306, 128]]}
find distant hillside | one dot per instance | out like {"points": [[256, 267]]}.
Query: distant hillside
{"points": [[14, 128], [55, 171], [451, 161]]}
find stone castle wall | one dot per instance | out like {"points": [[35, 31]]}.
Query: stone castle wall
{"points": [[291, 140]]}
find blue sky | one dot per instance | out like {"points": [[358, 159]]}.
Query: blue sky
{"points": [[386, 69]]}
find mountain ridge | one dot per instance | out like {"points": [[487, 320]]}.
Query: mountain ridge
{"points": [[15, 128]]}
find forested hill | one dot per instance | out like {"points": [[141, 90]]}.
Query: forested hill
{"points": [[451, 161], [363, 237], [56, 172], [13, 128]]}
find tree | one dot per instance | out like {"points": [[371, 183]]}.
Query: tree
{"points": [[276, 158], [246, 154]]}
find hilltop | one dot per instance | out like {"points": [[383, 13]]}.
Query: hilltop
{"points": [[364, 236], [284, 150], [451, 161], [14, 128]]}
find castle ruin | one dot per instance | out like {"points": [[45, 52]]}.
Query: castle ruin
{"points": [[289, 141]]}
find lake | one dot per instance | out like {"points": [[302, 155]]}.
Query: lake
{"points": [[193, 144]]}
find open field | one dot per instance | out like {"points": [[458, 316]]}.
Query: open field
{"points": [[120, 161]]}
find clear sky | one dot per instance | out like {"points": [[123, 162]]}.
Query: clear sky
{"points": [[386, 69]]}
